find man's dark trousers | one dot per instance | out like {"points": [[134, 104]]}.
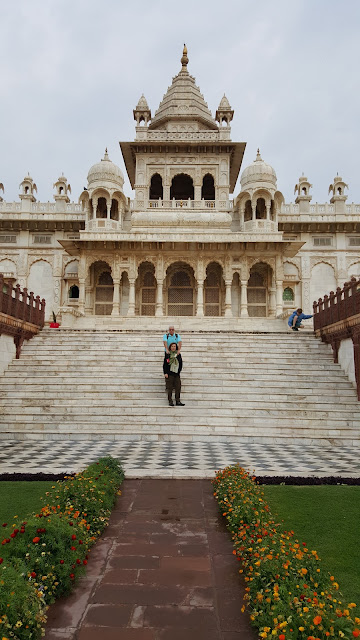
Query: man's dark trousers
{"points": [[173, 382]]}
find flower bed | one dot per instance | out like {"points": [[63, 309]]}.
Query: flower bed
{"points": [[42, 557], [288, 594]]}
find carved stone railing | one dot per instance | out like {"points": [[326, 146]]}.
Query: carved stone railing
{"points": [[218, 205], [337, 318], [22, 315]]}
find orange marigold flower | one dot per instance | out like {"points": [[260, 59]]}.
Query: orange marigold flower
{"points": [[36, 539], [303, 571], [356, 633], [317, 619], [282, 636]]}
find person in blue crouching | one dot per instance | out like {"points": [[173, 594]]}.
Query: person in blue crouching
{"points": [[296, 318]]}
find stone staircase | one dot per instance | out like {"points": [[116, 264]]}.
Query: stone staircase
{"points": [[260, 387]]}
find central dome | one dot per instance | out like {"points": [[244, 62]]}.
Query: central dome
{"points": [[258, 174], [104, 172]]}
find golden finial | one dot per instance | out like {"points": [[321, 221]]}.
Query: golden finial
{"points": [[184, 59]]}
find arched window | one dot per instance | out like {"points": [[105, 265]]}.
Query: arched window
{"points": [[104, 294], [288, 295], [208, 187], [74, 292], [101, 209], [248, 211], [156, 187], [182, 187], [260, 209], [114, 211]]}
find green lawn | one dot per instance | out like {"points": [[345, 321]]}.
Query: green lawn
{"points": [[20, 498], [327, 518]]}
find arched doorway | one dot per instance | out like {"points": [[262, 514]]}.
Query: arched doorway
{"points": [[104, 290], [147, 289], [180, 290], [208, 188], [156, 187], [212, 290], [257, 290], [182, 187]]}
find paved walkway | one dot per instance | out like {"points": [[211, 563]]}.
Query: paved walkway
{"points": [[164, 570], [196, 459]]}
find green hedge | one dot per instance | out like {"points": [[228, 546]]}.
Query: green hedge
{"points": [[42, 557], [288, 594]]}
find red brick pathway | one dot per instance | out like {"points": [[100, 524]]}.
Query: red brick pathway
{"points": [[164, 570]]}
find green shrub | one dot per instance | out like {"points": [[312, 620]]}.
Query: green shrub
{"points": [[288, 594], [43, 556]]}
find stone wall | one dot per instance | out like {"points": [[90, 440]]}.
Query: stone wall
{"points": [[7, 352]]}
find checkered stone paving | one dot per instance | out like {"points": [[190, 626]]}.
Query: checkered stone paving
{"points": [[162, 459]]}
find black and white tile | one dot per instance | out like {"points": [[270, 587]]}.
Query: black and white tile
{"points": [[141, 458]]}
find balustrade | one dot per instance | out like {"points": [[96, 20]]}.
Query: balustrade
{"points": [[21, 305], [337, 306]]}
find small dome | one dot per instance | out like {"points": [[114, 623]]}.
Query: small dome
{"points": [[105, 171], [259, 173], [224, 104], [142, 104]]}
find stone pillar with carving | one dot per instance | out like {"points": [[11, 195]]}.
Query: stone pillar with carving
{"points": [[200, 298], [94, 204], [243, 299], [108, 209], [279, 276], [159, 275], [228, 309], [81, 306], [200, 277], [159, 297], [131, 309], [82, 279], [272, 302], [116, 298]]}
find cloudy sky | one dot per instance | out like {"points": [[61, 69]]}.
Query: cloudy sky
{"points": [[71, 71]]}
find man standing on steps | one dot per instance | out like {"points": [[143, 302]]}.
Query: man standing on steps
{"points": [[170, 337], [296, 318]]}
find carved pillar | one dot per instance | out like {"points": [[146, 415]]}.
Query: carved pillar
{"points": [[279, 276], [166, 192], [253, 209], [228, 309], [243, 300], [159, 297], [267, 212], [200, 298], [81, 306], [108, 207], [94, 204], [279, 295], [131, 309], [197, 192], [272, 302], [116, 298]]}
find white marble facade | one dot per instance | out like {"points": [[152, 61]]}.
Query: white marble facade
{"points": [[191, 242]]}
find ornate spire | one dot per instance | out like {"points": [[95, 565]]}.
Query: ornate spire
{"points": [[258, 156], [184, 59], [106, 155]]}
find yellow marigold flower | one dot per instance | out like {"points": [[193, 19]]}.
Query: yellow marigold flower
{"points": [[306, 609], [301, 628], [263, 634], [351, 605], [303, 571]]}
